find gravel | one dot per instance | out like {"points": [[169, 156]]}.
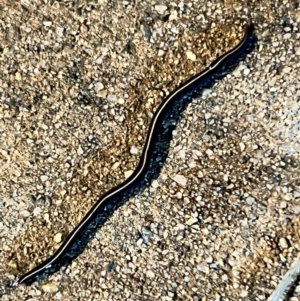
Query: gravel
{"points": [[79, 83]]}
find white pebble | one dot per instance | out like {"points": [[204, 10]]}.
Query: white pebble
{"points": [[111, 97], [50, 287], [37, 211], [209, 152], [296, 194], [283, 243], [47, 23], [44, 178], [98, 86], [134, 150], [80, 151], [150, 274], [283, 205], [139, 242], [246, 71], [154, 184], [191, 56], [250, 200], [161, 8], [206, 92], [180, 180], [160, 52], [128, 173], [57, 238], [191, 221]]}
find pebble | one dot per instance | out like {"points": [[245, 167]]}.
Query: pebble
{"points": [[18, 76], [180, 179], [161, 8], [44, 178], [250, 200], [283, 243], [51, 287], [99, 86], [134, 150], [283, 205], [37, 211], [191, 221], [58, 237], [111, 97], [191, 55], [209, 152], [246, 71], [146, 234], [150, 274], [80, 151], [47, 23], [296, 194]]}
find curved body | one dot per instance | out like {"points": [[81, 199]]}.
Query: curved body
{"points": [[186, 89]]}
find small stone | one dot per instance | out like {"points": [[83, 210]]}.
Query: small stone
{"points": [[244, 293], [26, 213], [288, 197], [150, 274], [154, 184], [134, 150], [139, 242], [283, 243], [170, 294], [37, 211], [111, 97], [191, 56], [98, 86], [99, 61], [209, 259], [18, 76], [175, 30], [296, 194], [242, 146], [60, 31], [80, 151], [57, 238], [44, 178], [160, 52], [128, 173], [207, 115], [209, 153], [181, 180], [206, 92], [161, 8], [250, 200], [283, 205], [297, 289], [47, 23], [50, 287], [115, 165], [191, 221], [47, 217], [146, 234], [246, 71], [180, 226]]}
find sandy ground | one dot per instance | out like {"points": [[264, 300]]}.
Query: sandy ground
{"points": [[79, 83]]}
